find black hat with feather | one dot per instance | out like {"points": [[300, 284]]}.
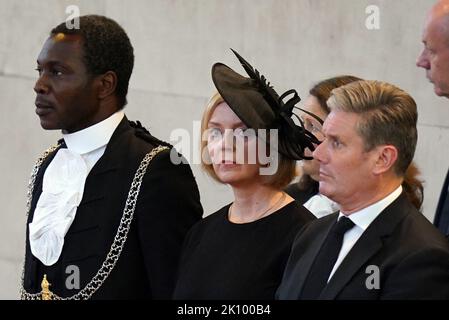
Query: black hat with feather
{"points": [[258, 105]]}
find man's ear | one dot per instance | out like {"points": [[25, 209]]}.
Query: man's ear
{"points": [[387, 155], [107, 83]]}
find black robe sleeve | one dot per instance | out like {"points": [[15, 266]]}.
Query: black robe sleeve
{"points": [[168, 206]]}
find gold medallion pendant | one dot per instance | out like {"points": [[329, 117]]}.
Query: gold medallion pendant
{"points": [[46, 294]]}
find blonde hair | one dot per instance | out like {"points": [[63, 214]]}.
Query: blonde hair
{"points": [[286, 167], [389, 116]]}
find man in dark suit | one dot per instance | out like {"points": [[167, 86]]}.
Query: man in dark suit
{"points": [[435, 60], [108, 208], [378, 246]]}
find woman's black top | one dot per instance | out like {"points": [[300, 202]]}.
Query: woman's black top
{"points": [[225, 260]]}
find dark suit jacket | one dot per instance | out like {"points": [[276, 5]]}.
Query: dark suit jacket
{"points": [[412, 257], [442, 214], [167, 206]]}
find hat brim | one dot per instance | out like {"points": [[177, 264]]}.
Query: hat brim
{"points": [[241, 94]]}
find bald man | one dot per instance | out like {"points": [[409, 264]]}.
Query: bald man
{"points": [[435, 60]]}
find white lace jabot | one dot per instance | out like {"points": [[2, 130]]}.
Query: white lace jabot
{"points": [[62, 191], [63, 187]]}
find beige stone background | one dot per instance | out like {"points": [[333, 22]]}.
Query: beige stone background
{"points": [[293, 42]]}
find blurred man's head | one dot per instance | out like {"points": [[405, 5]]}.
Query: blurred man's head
{"points": [[435, 56]]}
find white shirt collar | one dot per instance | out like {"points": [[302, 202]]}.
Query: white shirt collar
{"points": [[363, 218], [95, 136], [321, 206]]}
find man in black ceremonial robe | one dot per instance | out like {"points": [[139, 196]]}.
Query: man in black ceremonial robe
{"points": [[108, 209]]}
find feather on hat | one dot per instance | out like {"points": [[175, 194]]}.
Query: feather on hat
{"points": [[259, 106]]}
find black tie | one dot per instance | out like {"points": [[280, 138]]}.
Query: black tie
{"points": [[325, 260]]}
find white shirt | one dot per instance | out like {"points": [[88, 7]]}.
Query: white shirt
{"points": [[321, 206], [362, 219], [63, 187]]}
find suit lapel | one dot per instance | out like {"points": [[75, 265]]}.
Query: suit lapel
{"points": [[302, 268], [367, 246], [441, 220], [112, 158], [363, 250], [109, 163]]}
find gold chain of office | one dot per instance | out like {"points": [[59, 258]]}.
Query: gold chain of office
{"points": [[116, 247]]}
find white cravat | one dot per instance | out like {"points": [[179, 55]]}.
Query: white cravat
{"points": [[362, 219], [63, 187], [321, 205]]}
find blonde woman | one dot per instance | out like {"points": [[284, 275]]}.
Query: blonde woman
{"points": [[239, 252]]}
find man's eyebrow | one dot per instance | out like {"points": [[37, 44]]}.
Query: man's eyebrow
{"points": [[51, 62]]}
